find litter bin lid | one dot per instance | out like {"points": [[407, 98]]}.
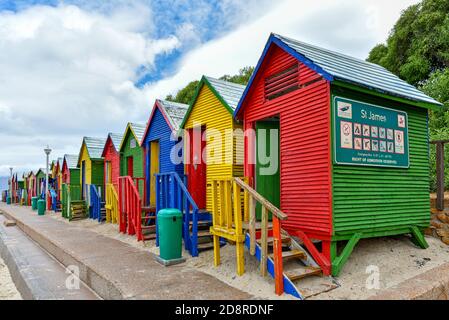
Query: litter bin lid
{"points": [[168, 213], [41, 200]]}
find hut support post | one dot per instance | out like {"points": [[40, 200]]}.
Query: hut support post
{"points": [[339, 261], [418, 238]]}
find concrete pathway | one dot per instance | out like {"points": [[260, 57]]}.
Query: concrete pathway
{"points": [[36, 274], [116, 270]]}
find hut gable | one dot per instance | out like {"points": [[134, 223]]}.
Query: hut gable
{"points": [[70, 172], [112, 144], [212, 109], [164, 121], [303, 111], [343, 70], [222, 94], [112, 158], [130, 149]]}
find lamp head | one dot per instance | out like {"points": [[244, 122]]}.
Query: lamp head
{"points": [[47, 150]]}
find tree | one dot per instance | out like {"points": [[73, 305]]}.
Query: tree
{"points": [[418, 45], [186, 94], [417, 51], [241, 78], [437, 86]]}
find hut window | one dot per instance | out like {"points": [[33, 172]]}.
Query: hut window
{"points": [[282, 83]]}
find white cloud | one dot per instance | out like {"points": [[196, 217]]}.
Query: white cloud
{"points": [[348, 26], [68, 72]]}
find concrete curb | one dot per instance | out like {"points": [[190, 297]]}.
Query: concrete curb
{"points": [[102, 286], [17, 277], [118, 270], [431, 285], [36, 274]]}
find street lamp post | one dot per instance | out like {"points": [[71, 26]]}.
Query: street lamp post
{"points": [[10, 183], [47, 152]]}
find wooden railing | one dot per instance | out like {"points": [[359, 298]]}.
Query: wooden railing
{"points": [[130, 205], [172, 192], [234, 213], [95, 203], [112, 208], [72, 193]]}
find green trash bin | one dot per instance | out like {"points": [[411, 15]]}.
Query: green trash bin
{"points": [[34, 203], [8, 200], [41, 207], [169, 224]]}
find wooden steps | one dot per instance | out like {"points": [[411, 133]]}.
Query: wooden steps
{"points": [[293, 254], [286, 241], [302, 273], [295, 262], [78, 210]]}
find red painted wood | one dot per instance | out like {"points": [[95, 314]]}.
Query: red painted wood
{"points": [[130, 166], [305, 168], [196, 170], [277, 253], [65, 173], [112, 156]]}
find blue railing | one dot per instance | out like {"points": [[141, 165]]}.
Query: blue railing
{"points": [[171, 192], [94, 204], [53, 199]]}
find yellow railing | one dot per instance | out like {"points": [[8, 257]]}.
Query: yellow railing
{"points": [[234, 213], [112, 209]]}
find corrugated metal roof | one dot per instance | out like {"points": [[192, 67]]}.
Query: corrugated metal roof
{"points": [[94, 146], [175, 112], [72, 160], [139, 130], [230, 92], [357, 71], [60, 160], [116, 139]]}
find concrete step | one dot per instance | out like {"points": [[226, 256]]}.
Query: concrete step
{"points": [[140, 276], [36, 274]]}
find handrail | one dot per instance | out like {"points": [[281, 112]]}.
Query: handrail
{"points": [[264, 202], [227, 223], [171, 191], [130, 207], [111, 203], [95, 203], [185, 191]]}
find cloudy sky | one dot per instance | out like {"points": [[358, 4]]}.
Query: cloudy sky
{"points": [[78, 68]]}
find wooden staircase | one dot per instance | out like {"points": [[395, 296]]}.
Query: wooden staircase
{"points": [[297, 263], [78, 210], [148, 223], [279, 254], [205, 238]]}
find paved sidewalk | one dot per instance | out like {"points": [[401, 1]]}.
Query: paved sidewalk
{"points": [[116, 270], [36, 274]]}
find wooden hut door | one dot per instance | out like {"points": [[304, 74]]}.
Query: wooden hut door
{"points": [[267, 172], [154, 169], [197, 168], [130, 166]]}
